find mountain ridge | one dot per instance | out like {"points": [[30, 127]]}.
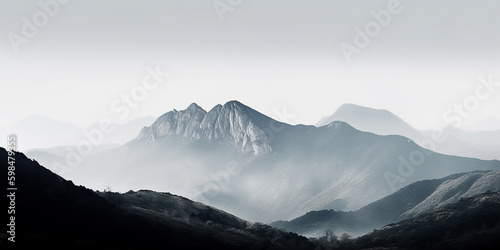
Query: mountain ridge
{"points": [[449, 140], [303, 167], [470, 223], [233, 120], [411, 201], [386, 121]]}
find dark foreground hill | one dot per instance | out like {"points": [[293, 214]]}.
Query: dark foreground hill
{"points": [[471, 223], [53, 212]]}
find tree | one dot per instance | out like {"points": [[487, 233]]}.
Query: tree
{"points": [[330, 236], [345, 238]]}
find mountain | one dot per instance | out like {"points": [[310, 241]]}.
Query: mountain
{"points": [[452, 141], [413, 200], [486, 124], [378, 121], [61, 151], [476, 144], [52, 212], [471, 223], [57, 159], [475, 137], [37, 132], [41, 132], [125, 132], [234, 122], [453, 190], [64, 157], [239, 160]]}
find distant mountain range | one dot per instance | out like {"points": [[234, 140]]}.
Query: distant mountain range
{"points": [[413, 200], [377, 121], [486, 124], [52, 212], [244, 162], [55, 157], [126, 132], [452, 141], [39, 133]]}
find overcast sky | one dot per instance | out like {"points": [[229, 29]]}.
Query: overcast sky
{"points": [[281, 57]]}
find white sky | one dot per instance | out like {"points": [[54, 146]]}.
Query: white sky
{"points": [[279, 55]]}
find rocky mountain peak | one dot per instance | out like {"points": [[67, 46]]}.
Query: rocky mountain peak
{"points": [[232, 122]]}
